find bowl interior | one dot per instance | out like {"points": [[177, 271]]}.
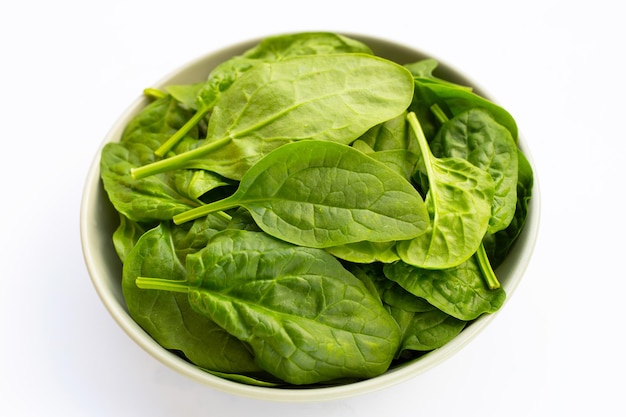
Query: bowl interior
{"points": [[98, 221]]}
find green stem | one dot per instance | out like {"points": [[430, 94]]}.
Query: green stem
{"points": [[180, 133], [216, 206], [439, 113], [177, 161], [153, 93], [162, 284], [485, 267], [422, 142]]}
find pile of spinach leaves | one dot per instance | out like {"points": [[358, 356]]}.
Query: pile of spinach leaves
{"points": [[312, 213]]}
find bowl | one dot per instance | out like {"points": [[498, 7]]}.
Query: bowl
{"points": [[98, 220]]}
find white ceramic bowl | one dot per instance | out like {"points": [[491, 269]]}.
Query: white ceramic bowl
{"points": [[99, 220]]}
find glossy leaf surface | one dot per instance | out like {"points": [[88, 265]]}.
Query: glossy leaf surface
{"points": [[459, 199], [322, 194], [290, 305]]}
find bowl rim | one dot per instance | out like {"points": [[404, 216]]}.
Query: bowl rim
{"points": [[516, 267]]}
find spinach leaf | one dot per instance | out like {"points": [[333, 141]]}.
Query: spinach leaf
{"points": [[126, 236], [168, 317], [422, 325], [365, 252], [460, 291], [390, 135], [475, 136], [454, 99], [289, 304], [459, 200], [322, 194], [155, 198], [498, 245], [323, 97], [202, 97], [426, 330]]}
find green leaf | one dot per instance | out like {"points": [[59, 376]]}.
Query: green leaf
{"points": [[365, 252], [168, 317], [126, 236], [459, 199], [390, 135], [273, 48], [454, 99], [322, 194], [157, 197], [475, 136], [322, 97], [499, 244], [427, 330], [290, 304], [460, 291]]}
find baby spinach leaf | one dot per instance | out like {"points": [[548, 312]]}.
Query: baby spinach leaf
{"points": [[459, 200], [365, 252], [460, 291], [454, 99], [126, 236], [155, 198], [323, 97], [423, 326], [322, 194], [475, 136], [390, 135], [168, 317], [273, 48], [498, 245], [289, 304], [427, 330], [425, 69]]}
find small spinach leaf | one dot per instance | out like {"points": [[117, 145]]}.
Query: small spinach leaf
{"points": [[460, 291], [126, 236], [426, 330], [459, 199], [475, 136], [365, 252], [168, 317], [150, 199], [454, 99], [498, 245]]}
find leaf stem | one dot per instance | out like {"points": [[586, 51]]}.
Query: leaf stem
{"points": [[146, 283], [197, 212], [485, 266], [153, 93], [422, 142], [177, 161], [180, 133], [439, 113]]}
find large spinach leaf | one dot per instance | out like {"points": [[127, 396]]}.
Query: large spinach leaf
{"points": [[168, 317], [324, 97], [202, 97], [459, 199], [322, 194], [290, 305]]}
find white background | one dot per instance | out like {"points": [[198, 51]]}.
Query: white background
{"points": [[69, 68]]}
